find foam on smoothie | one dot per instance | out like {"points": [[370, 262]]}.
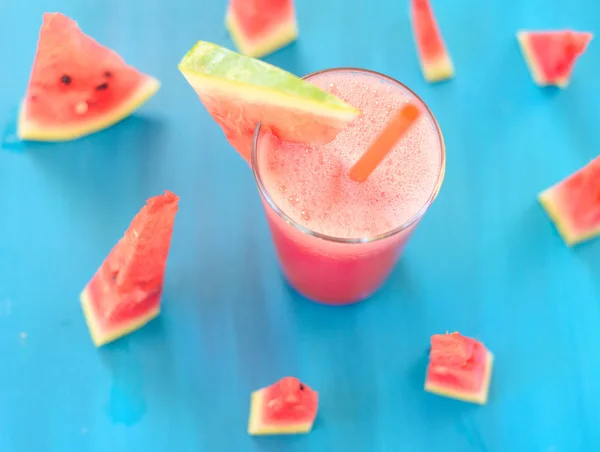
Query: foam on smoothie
{"points": [[312, 186]]}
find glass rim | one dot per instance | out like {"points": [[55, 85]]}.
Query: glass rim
{"points": [[410, 222]]}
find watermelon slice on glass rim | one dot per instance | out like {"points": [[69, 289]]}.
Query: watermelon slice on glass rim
{"points": [[241, 92], [573, 204], [551, 55], [260, 27], [286, 407], [459, 368], [434, 58], [125, 292], [77, 86]]}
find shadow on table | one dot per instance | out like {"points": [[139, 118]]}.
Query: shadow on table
{"points": [[106, 162], [103, 174], [136, 373], [443, 410], [589, 253], [291, 443], [289, 58], [126, 401]]}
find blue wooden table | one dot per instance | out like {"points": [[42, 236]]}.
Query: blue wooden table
{"points": [[486, 261]]}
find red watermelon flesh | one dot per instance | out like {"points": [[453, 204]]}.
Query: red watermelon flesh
{"points": [[551, 55], [573, 204], [125, 292], [459, 367], [77, 86], [286, 407], [435, 60], [259, 27]]}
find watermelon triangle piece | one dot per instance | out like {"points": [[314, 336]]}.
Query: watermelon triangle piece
{"points": [[573, 204], [551, 55], [260, 27], [434, 58], [286, 407], [241, 92], [125, 292], [77, 86], [459, 367]]}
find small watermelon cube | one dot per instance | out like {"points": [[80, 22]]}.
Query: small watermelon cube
{"points": [[551, 55], [284, 408], [573, 204], [125, 292], [459, 368]]}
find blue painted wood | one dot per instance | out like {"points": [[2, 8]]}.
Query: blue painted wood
{"points": [[485, 261]]}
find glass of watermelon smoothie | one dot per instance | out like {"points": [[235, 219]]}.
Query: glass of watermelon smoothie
{"points": [[338, 240]]}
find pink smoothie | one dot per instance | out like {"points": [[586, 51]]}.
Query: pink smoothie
{"points": [[310, 186]]}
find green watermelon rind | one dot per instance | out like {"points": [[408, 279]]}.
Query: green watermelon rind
{"points": [[32, 130], [208, 66]]}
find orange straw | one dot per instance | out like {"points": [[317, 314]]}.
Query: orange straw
{"points": [[384, 143]]}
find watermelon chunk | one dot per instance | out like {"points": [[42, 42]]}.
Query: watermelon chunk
{"points": [[573, 204], [240, 92], [551, 55], [260, 27], [125, 292], [77, 86], [435, 60], [286, 407], [459, 367]]}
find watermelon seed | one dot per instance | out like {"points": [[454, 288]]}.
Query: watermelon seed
{"points": [[66, 79], [102, 87], [301, 387], [108, 74]]}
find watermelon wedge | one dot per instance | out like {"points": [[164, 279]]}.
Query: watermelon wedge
{"points": [[240, 92], [260, 27], [125, 292], [459, 367], [284, 408], [77, 86], [551, 55], [573, 204], [435, 60]]}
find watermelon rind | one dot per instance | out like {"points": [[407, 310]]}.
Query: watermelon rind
{"points": [[262, 93], [30, 130], [437, 70], [256, 427], [480, 397], [212, 66], [569, 234], [101, 336], [436, 64], [280, 36], [536, 73]]}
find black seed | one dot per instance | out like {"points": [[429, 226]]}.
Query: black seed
{"points": [[102, 87], [108, 74], [66, 79], [301, 387]]}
